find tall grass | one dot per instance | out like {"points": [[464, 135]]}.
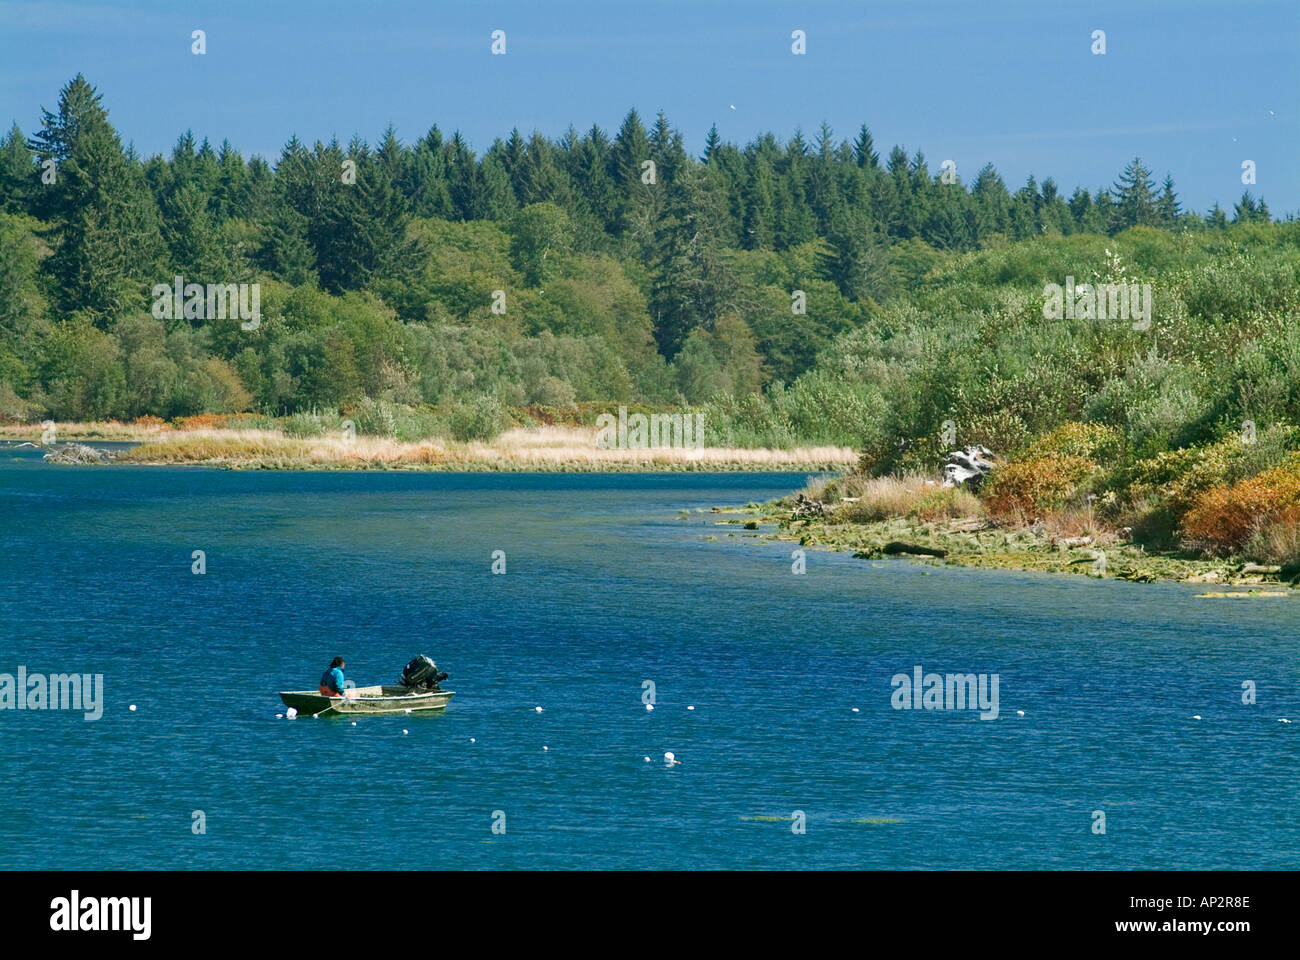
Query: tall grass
{"points": [[866, 499], [539, 448]]}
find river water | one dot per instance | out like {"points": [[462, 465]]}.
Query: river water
{"points": [[607, 585]]}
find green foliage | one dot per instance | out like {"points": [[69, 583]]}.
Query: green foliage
{"points": [[481, 418], [800, 291], [1093, 441], [376, 418], [541, 236], [303, 424]]}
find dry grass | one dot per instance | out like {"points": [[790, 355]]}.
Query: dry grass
{"points": [[544, 448], [103, 430], [911, 495], [1074, 523], [1276, 539]]}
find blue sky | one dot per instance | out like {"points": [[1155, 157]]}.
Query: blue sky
{"points": [[1194, 88]]}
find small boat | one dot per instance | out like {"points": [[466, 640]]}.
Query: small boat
{"points": [[367, 700]]}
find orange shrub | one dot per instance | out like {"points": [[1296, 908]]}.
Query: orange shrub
{"points": [[200, 421], [149, 420], [1030, 488], [1223, 518]]}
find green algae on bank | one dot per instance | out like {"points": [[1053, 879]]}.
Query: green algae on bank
{"points": [[989, 546]]}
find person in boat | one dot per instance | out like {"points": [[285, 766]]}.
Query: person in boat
{"points": [[331, 682]]}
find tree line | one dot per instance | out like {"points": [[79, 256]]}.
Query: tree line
{"points": [[594, 266]]}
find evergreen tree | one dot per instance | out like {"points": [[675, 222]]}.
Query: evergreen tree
{"points": [[858, 259], [1053, 214], [465, 180], [759, 230], [666, 150], [425, 179], [597, 193], [822, 184], [106, 223], [1168, 210], [1105, 213], [287, 250], [1244, 211], [540, 179], [1135, 197], [511, 155], [630, 149], [712, 143], [695, 282], [231, 196], [864, 153], [992, 204], [1025, 211], [795, 221], [949, 224], [195, 250], [19, 175]]}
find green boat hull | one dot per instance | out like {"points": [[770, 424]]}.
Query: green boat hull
{"points": [[365, 701]]}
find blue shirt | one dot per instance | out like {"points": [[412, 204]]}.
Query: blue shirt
{"points": [[333, 678]]}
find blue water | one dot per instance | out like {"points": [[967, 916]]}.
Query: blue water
{"points": [[607, 586]]}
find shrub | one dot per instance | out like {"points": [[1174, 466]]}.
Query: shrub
{"points": [[1094, 441], [200, 421], [554, 392], [1180, 476], [375, 418], [1029, 488], [482, 418], [251, 421], [303, 424], [753, 420], [1151, 521], [1000, 430], [1224, 518], [412, 426], [15, 408]]}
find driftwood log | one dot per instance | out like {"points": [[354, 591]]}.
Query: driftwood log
{"points": [[806, 508], [79, 453], [896, 547], [967, 467]]}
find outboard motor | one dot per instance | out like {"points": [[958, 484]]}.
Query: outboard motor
{"points": [[422, 674]]}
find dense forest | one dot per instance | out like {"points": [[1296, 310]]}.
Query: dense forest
{"points": [[592, 268]]}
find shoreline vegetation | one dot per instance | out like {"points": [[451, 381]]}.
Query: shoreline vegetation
{"points": [[972, 544], [541, 447], [916, 518]]}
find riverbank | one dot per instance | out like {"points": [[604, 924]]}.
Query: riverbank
{"points": [[975, 541], [545, 448]]}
